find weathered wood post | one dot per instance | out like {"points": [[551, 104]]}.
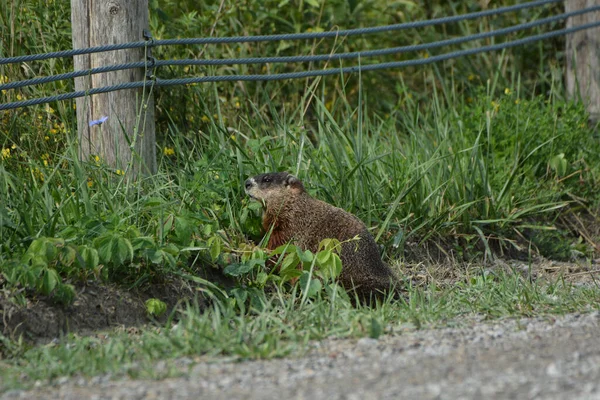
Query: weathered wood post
{"points": [[126, 139], [583, 57]]}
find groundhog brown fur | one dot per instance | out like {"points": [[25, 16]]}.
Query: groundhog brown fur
{"points": [[293, 215]]}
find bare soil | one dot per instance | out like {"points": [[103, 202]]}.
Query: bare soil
{"points": [[96, 308]]}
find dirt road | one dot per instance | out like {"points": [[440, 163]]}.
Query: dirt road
{"points": [[526, 358]]}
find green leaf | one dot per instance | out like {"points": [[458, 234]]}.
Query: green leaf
{"points": [[143, 242], [257, 299], [306, 256], [244, 216], [90, 257], [242, 268], [214, 244], [64, 294], [166, 226], [104, 245], [290, 261], [183, 230], [241, 295], [44, 248], [155, 307], [284, 248], [67, 255], [323, 257], [255, 206], [376, 328], [48, 281], [123, 250], [331, 267], [155, 256], [171, 249], [261, 278], [559, 164], [311, 288], [329, 244], [38, 262]]}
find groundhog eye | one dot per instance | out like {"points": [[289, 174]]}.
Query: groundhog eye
{"points": [[266, 180]]}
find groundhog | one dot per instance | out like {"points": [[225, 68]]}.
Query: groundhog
{"points": [[293, 215]]}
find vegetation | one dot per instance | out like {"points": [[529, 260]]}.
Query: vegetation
{"points": [[481, 156], [284, 327]]}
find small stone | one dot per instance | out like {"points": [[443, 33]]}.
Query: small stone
{"points": [[62, 380], [552, 370], [367, 342]]}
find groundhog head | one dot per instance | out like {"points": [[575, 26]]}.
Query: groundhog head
{"points": [[273, 186]]}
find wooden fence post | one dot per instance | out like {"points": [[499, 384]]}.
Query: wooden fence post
{"points": [[583, 57], [126, 139]]}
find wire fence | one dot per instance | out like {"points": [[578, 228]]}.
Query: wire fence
{"points": [[152, 63]]}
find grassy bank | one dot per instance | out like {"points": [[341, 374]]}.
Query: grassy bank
{"points": [[285, 328]]}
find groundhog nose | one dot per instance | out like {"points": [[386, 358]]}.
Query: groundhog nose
{"points": [[248, 184]]}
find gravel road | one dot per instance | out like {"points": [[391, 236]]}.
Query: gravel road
{"points": [[548, 358]]}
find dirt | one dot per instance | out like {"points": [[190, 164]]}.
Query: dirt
{"points": [[96, 308], [101, 307]]}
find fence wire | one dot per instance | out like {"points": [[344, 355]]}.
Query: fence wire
{"points": [[266, 38], [303, 74], [296, 59]]}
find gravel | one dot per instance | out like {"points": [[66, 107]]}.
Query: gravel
{"points": [[549, 358]]}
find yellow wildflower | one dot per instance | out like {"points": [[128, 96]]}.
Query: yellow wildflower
{"points": [[5, 153], [205, 118], [120, 172], [168, 151], [507, 91]]}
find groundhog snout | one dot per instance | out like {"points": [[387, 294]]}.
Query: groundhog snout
{"points": [[248, 184]]}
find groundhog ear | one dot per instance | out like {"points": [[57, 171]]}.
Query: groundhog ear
{"points": [[291, 180]]}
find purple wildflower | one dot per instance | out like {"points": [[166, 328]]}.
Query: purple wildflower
{"points": [[98, 121]]}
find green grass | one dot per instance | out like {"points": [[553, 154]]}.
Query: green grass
{"points": [[477, 157], [476, 176], [284, 328]]}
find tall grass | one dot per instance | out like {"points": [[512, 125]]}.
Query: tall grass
{"points": [[477, 172]]}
